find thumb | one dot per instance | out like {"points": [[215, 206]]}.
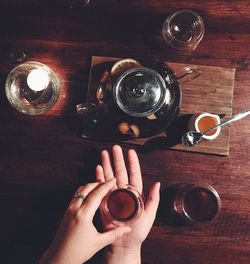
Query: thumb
{"points": [[111, 236], [153, 200]]}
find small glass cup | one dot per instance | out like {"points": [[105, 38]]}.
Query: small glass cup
{"points": [[122, 206], [32, 88], [183, 30], [197, 204]]}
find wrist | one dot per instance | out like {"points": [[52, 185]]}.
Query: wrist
{"points": [[123, 255]]}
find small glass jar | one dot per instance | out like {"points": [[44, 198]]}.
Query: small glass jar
{"points": [[197, 204], [122, 206]]}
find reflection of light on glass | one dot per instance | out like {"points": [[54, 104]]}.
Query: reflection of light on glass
{"points": [[38, 79], [167, 97], [176, 28]]}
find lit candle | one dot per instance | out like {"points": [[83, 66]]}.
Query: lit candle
{"points": [[38, 80]]}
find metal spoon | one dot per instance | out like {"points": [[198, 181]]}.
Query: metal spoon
{"points": [[192, 138]]}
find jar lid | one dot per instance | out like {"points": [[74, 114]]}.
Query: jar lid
{"points": [[140, 91]]}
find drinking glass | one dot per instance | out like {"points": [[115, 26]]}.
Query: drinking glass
{"points": [[183, 30], [197, 204], [122, 206], [32, 88]]}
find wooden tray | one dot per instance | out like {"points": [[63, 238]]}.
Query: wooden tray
{"points": [[211, 92]]}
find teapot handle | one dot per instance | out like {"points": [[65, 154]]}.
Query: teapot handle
{"points": [[188, 73]]}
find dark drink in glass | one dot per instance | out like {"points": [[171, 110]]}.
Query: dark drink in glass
{"points": [[122, 206], [197, 204]]}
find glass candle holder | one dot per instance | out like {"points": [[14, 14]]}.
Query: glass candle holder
{"points": [[183, 30], [32, 88], [122, 206], [197, 204]]}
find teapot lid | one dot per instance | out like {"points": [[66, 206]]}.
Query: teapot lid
{"points": [[140, 91]]}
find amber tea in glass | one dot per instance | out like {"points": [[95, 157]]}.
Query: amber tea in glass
{"points": [[122, 206], [197, 204]]}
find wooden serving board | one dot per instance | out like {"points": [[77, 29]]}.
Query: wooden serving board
{"points": [[211, 92]]}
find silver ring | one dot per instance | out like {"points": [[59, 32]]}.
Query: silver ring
{"points": [[78, 195]]}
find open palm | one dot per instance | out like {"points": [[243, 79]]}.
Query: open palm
{"points": [[142, 226]]}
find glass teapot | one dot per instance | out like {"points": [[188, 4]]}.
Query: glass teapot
{"points": [[143, 93], [150, 89]]}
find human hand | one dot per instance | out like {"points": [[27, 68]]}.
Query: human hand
{"points": [[127, 248], [77, 239]]}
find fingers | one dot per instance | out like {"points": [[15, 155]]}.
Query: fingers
{"points": [[106, 164], [111, 236], [99, 174], [153, 200], [84, 190], [134, 170], [119, 166], [93, 200]]}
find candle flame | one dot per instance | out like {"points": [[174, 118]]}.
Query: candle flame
{"points": [[38, 80]]}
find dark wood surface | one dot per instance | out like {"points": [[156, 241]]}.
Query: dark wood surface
{"points": [[43, 159]]}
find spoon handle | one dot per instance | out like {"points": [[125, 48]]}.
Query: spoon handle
{"points": [[230, 120]]}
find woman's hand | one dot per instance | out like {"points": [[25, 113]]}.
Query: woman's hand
{"points": [[77, 240], [127, 248]]}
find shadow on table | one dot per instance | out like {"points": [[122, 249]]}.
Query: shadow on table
{"points": [[173, 135], [166, 214], [153, 33], [42, 213]]}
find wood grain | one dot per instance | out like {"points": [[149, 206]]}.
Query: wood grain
{"points": [[43, 159]]}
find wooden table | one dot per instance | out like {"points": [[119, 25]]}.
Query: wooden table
{"points": [[43, 159]]}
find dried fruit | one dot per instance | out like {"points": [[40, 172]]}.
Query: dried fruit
{"points": [[136, 130], [127, 129], [100, 94], [124, 128], [109, 86], [104, 77]]}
